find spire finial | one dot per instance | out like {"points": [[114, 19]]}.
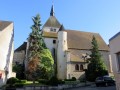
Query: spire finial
{"points": [[52, 11]]}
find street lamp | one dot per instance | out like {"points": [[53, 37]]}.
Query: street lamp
{"points": [[85, 58]]}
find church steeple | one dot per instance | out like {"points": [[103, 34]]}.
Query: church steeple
{"points": [[52, 11]]}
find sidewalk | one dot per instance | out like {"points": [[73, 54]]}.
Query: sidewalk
{"points": [[59, 87]]}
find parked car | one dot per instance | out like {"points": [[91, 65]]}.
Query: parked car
{"points": [[104, 81]]}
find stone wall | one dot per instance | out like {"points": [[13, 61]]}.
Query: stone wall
{"points": [[19, 57]]}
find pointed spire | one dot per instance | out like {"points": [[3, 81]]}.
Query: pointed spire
{"points": [[61, 28], [52, 11]]}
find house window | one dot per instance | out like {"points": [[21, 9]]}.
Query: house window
{"points": [[81, 67], [54, 30], [54, 41], [118, 60], [51, 29], [76, 67]]}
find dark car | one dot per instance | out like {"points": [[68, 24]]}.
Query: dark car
{"points": [[104, 81]]}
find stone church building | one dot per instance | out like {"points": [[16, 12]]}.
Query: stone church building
{"points": [[68, 48]]}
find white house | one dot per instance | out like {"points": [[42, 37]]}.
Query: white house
{"points": [[68, 47], [114, 44], [6, 50]]}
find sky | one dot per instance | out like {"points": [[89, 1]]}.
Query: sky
{"points": [[98, 16]]}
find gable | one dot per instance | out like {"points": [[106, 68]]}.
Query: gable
{"points": [[22, 47]]}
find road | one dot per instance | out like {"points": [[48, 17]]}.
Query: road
{"points": [[95, 88]]}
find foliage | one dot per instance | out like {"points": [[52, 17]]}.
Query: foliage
{"points": [[96, 67], [12, 80], [72, 79], [19, 69], [54, 81], [40, 61], [43, 81], [35, 47], [47, 61]]}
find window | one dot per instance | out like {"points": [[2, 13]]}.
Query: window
{"points": [[54, 30], [54, 41], [81, 67], [76, 67], [51, 29], [118, 60]]}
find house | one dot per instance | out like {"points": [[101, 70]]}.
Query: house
{"points": [[68, 48], [114, 44], [6, 50]]}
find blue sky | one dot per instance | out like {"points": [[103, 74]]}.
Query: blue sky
{"points": [[99, 16]]}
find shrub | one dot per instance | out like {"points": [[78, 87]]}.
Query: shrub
{"points": [[43, 81], [54, 81], [74, 78], [19, 85], [23, 81], [12, 80]]}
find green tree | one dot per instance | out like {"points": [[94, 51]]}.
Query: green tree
{"points": [[96, 67], [35, 47], [40, 60]]}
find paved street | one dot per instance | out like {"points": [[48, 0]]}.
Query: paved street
{"points": [[95, 88]]}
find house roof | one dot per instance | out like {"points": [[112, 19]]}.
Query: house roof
{"points": [[82, 40], [22, 47], [4, 24], [50, 34], [61, 28], [52, 22]]}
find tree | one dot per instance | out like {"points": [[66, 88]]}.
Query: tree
{"points": [[40, 61], [36, 46], [96, 67]]}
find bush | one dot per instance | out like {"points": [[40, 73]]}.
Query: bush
{"points": [[23, 81], [74, 78], [19, 85], [43, 81], [54, 81], [12, 80]]}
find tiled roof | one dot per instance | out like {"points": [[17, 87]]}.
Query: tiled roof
{"points": [[82, 40], [52, 22], [4, 24], [22, 47]]}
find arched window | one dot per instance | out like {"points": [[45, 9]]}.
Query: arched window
{"points": [[77, 67], [81, 67]]}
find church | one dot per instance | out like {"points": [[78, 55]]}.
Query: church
{"points": [[69, 48]]}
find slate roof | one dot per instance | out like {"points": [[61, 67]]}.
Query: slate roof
{"points": [[52, 22], [4, 24], [82, 40], [61, 28], [22, 47]]}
